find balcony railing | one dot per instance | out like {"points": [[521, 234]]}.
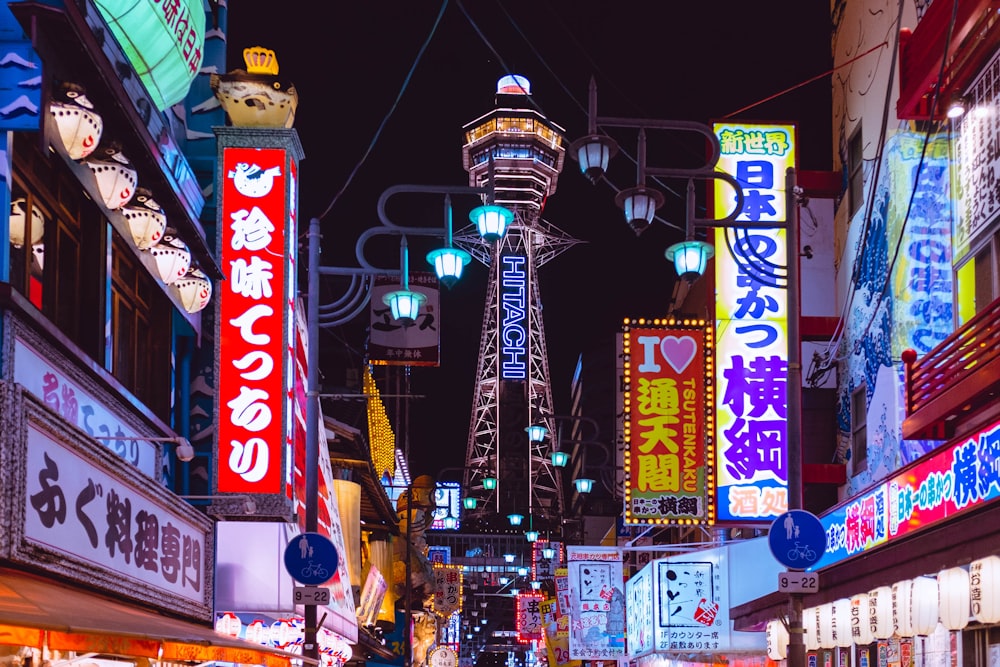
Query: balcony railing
{"points": [[952, 382]]}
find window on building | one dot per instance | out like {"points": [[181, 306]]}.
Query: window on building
{"points": [[978, 280], [859, 430], [855, 170], [59, 261]]}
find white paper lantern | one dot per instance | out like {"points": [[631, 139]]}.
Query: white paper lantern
{"points": [[924, 605], [880, 612], [173, 259], [777, 640], [145, 224], [953, 598], [984, 589], [810, 627], [18, 215], [861, 621], [841, 623], [901, 608], [194, 290], [79, 128], [824, 622], [116, 181]]}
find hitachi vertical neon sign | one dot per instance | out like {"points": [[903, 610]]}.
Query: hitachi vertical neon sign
{"points": [[513, 318], [751, 313], [254, 324]]}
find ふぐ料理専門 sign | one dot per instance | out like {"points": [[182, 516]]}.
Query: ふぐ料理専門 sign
{"points": [[667, 424]]}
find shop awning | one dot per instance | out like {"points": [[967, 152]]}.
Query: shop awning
{"points": [[37, 612]]}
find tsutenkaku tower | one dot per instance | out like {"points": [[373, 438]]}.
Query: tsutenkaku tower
{"points": [[512, 385]]}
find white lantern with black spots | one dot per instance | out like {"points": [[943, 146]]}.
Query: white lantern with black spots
{"points": [[777, 640], [984, 589], [880, 612], [79, 126], [924, 605], [954, 598], [145, 218], [901, 618], [173, 259], [116, 179], [194, 290], [19, 222], [861, 622]]}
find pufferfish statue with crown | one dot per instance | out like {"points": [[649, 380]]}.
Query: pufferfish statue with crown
{"points": [[255, 97]]}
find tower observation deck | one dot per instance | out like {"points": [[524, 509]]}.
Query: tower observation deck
{"points": [[523, 152]]}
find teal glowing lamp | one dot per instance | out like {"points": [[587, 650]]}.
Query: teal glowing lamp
{"points": [[515, 519], [489, 483], [537, 432], [639, 204], [560, 459], [522, 572], [491, 221], [536, 585], [404, 303], [450, 523], [469, 503], [548, 553], [509, 558], [531, 535], [690, 258], [448, 264], [583, 485]]}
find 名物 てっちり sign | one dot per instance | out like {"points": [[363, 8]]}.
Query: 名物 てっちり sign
{"points": [[668, 422]]}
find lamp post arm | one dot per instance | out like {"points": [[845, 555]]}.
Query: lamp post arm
{"points": [[423, 189]]}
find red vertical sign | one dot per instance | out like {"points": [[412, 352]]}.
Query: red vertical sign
{"points": [[252, 344]]}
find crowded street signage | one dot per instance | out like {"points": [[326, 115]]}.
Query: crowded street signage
{"points": [[529, 617], [956, 478], [668, 425], [513, 317], [751, 320], [97, 517], [256, 318]]}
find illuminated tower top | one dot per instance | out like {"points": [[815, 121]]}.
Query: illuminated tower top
{"points": [[527, 148]]}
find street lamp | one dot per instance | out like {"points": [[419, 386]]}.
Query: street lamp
{"points": [[689, 259], [351, 305]]}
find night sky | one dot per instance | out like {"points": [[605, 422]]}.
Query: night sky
{"points": [[657, 59]]}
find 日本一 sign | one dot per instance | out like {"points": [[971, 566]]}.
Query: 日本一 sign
{"points": [[751, 320], [667, 427]]}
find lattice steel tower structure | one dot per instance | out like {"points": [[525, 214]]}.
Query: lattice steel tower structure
{"points": [[523, 153]]}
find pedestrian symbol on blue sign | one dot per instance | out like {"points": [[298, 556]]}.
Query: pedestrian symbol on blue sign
{"points": [[311, 559], [797, 539]]}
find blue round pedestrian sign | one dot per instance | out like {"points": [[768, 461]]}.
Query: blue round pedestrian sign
{"points": [[797, 539], [311, 559]]}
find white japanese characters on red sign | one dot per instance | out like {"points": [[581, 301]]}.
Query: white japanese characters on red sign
{"points": [[253, 341]]}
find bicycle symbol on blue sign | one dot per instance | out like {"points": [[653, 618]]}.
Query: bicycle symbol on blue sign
{"points": [[311, 559], [797, 539]]}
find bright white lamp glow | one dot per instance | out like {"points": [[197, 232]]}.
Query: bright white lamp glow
{"points": [[690, 258], [405, 305], [515, 519], [448, 264], [491, 221], [560, 459], [583, 485], [536, 432]]}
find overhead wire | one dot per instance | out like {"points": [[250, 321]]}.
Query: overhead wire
{"points": [[389, 113]]}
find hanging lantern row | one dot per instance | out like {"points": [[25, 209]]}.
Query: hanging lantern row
{"points": [[908, 608], [80, 129]]}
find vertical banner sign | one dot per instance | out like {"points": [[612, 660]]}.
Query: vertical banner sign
{"points": [[751, 309], [513, 317], [391, 343], [556, 628], [254, 323], [639, 616], [668, 408], [529, 617], [447, 589], [596, 603]]}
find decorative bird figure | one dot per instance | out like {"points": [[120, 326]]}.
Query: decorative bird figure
{"points": [[255, 97]]}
